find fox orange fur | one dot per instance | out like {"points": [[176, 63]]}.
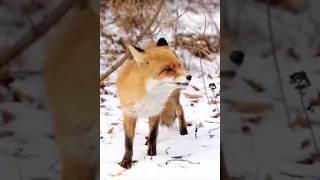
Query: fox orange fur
{"points": [[71, 78], [149, 87]]}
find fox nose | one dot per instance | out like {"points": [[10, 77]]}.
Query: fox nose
{"points": [[189, 77]]}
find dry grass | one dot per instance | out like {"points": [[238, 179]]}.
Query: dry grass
{"points": [[132, 17]]}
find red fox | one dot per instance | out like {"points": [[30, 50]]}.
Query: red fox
{"points": [[71, 80], [149, 87]]}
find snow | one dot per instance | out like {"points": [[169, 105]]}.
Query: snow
{"points": [[272, 149], [30, 152], [203, 152]]}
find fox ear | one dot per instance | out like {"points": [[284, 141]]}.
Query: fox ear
{"points": [[138, 54], [162, 42]]}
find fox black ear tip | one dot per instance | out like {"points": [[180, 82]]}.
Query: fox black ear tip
{"points": [[162, 42], [138, 49]]}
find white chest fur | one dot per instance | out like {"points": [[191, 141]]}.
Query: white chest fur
{"points": [[153, 102]]}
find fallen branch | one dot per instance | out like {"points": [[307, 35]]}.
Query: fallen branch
{"points": [[32, 36], [182, 160], [18, 74], [122, 60], [167, 150], [180, 157], [292, 175], [212, 122], [213, 130], [117, 173]]}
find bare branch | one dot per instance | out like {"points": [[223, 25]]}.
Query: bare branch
{"points": [[167, 162], [42, 27], [122, 60]]}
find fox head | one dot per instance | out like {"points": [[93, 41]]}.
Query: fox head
{"points": [[160, 67]]}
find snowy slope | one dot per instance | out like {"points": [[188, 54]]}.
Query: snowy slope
{"points": [[201, 154], [268, 147]]}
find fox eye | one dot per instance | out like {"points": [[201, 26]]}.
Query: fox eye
{"points": [[168, 69]]}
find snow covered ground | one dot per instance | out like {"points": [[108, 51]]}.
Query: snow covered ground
{"points": [[204, 150], [27, 149], [261, 145], [202, 154]]}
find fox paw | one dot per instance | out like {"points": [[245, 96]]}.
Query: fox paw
{"points": [[152, 151], [183, 131], [126, 164]]}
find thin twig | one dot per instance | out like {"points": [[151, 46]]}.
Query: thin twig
{"points": [[277, 66], [204, 83], [212, 122], [42, 27], [182, 160], [213, 130], [292, 175], [167, 150], [179, 157], [122, 60], [16, 156], [309, 124], [216, 101]]}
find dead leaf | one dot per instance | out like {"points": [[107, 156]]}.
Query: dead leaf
{"points": [[40, 178], [7, 116], [114, 123], [200, 125], [255, 86], [304, 144], [117, 173], [102, 105], [316, 102], [195, 101], [6, 134], [107, 92], [303, 122], [110, 130], [195, 88], [254, 120], [249, 107], [209, 76], [293, 54], [315, 157], [192, 96], [228, 74], [20, 97], [246, 129], [216, 116], [213, 101], [102, 99], [306, 161]]}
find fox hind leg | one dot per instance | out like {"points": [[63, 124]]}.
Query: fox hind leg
{"points": [[153, 134], [182, 121]]}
